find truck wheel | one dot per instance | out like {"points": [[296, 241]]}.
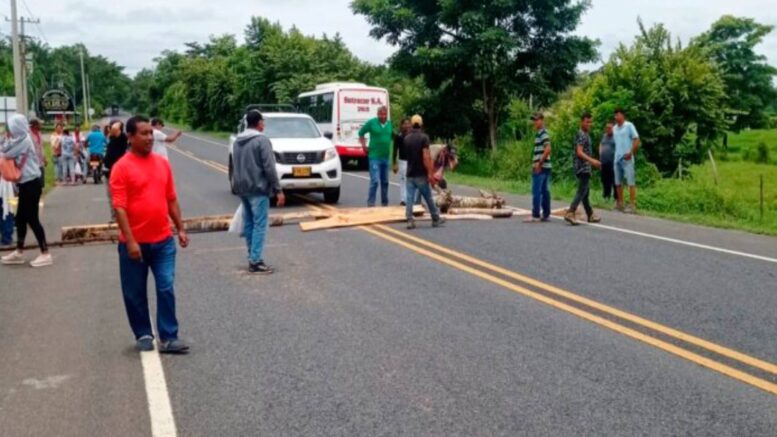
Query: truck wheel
{"points": [[332, 196]]}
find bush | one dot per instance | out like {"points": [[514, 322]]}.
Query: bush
{"points": [[758, 154]]}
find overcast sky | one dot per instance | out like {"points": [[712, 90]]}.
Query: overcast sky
{"points": [[134, 32]]}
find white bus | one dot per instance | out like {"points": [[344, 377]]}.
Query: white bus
{"points": [[340, 109]]}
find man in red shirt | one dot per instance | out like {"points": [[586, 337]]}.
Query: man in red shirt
{"points": [[144, 198]]}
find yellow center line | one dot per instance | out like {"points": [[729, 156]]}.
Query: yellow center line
{"points": [[383, 232], [668, 347], [211, 164], [679, 335]]}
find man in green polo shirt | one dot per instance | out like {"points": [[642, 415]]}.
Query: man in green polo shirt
{"points": [[381, 134]]}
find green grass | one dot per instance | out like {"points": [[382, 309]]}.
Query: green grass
{"points": [[48, 174], [742, 146], [732, 203]]}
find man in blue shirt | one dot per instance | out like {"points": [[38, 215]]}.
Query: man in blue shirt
{"points": [[96, 141], [626, 145]]}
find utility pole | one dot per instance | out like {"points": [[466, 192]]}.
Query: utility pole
{"points": [[88, 95], [18, 70], [83, 87]]}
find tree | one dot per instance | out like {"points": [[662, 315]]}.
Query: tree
{"points": [[483, 52], [731, 44], [673, 94]]}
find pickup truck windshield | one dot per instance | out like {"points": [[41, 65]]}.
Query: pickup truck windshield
{"points": [[290, 128]]}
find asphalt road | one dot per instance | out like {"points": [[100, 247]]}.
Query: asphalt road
{"points": [[642, 327]]}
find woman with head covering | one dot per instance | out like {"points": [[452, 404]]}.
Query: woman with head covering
{"points": [[20, 148]]}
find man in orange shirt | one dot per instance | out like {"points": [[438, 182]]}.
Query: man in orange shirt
{"points": [[145, 200]]}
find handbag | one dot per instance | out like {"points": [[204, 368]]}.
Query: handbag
{"points": [[10, 171]]}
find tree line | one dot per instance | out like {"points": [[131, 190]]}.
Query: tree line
{"points": [[474, 69]]}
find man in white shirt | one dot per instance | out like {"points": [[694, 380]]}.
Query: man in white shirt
{"points": [[161, 139]]}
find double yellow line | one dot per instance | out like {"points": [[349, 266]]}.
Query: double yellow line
{"points": [[595, 312], [648, 332]]}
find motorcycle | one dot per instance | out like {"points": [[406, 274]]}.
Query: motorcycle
{"points": [[96, 167]]}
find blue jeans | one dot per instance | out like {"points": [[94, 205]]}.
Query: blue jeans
{"points": [[256, 208], [420, 185], [58, 168], [160, 258], [379, 169], [540, 193], [6, 226], [68, 164]]}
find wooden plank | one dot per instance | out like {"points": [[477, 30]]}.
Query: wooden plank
{"points": [[216, 223], [359, 217]]}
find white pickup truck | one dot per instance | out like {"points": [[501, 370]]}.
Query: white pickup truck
{"points": [[306, 160]]}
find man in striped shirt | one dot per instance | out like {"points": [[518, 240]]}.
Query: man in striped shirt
{"points": [[541, 167]]}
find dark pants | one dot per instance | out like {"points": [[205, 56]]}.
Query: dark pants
{"points": [[27, 214], [608, 180], [6, 226], [160, 259], [419, 187], [540, 193], [379, 169], [583, 191], [43, 177]]}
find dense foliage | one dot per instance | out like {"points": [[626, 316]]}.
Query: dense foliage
{"points": [[476, 56], [673, 94], [61, 68]]}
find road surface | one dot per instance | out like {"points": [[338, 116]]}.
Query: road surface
{"points": [[498, 328]]}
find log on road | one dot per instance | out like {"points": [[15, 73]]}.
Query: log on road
{"points": [[445, 200], [217, 223]]}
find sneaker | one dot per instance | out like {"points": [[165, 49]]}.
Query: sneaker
{"points": [[259, 268], [173, 347], [570, 218], [593, 218], [545, 220], [439, 222], [402, 203], [410, 224], [145, 343], [14, 258], [42, 260]]}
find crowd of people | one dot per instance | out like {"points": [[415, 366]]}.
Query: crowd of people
{"points": [[143, 200]]}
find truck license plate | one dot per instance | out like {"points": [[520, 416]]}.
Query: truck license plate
{"points": [[301, 172]]}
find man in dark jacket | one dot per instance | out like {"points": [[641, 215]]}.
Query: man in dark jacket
{"points": [[255, 180]]}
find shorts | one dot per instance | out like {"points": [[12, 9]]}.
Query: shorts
{"points": [[625, 169]]}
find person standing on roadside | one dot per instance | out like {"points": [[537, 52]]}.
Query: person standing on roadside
{"points": [[541, 168], [115, 150], [68, 157], [626, 145], [56, 151], [381, 132], [255, 180], [420, 172], [37, 139], [583, 162], [161, 139], [21, 149], [95, 142], [607, 159], [145, 200], [400, 159]]}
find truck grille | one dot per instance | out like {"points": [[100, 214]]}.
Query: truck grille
{"points": [[299, 158]]}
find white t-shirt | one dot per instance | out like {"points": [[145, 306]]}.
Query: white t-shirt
{"points": [[160, 147]]}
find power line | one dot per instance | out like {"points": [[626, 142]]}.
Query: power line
{"points": [[37, 22]]}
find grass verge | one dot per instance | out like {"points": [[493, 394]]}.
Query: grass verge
{"points": [[733, 202]]}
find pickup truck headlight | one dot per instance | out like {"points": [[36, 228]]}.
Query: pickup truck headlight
{"points": [[330, 154]]}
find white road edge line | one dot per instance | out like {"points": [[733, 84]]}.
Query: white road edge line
{"points": [[205, 140], [159, 409], [655, 237], [686, 243]]}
